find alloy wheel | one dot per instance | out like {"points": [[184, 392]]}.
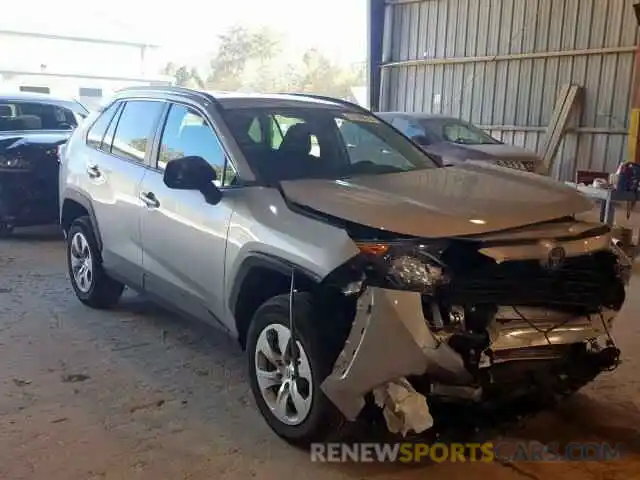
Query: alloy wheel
{"points": [[81, 262], [287, 393]]}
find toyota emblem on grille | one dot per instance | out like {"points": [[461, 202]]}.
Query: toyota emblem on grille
{"points": [[555, 258]]}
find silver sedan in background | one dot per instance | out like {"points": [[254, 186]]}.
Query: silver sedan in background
{"points": [[452, 140]]}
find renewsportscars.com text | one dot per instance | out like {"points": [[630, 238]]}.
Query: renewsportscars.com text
{"points": [[464, 452]]}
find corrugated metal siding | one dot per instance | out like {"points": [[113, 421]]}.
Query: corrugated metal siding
{"points": [[517, 96]]}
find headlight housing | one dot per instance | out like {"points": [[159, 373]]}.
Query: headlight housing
{"points": [[404, 266]]}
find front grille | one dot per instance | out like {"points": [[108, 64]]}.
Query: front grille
{"points": [[585, 283], [526, 165]]}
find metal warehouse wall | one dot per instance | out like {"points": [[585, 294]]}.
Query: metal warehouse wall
{"points": [[502, 63]]}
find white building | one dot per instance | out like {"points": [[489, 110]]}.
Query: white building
{"points": [[84, 68]]}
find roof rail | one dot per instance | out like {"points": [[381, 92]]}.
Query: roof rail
{"points": [[173, 89], [345, 103]]}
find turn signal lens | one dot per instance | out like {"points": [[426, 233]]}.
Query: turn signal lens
{"points": [[376, 249]]}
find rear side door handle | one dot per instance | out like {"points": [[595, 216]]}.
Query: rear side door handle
{"points": [[94, 171], [149, 199]]}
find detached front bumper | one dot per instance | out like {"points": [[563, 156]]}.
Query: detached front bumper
{"points": [[390, 340]]}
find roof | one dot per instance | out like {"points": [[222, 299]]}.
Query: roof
{"points": [[244, 99], [240, 99], [41, 98], [33, 96]]}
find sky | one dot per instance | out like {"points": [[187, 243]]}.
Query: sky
{"points": [[188, 29]]}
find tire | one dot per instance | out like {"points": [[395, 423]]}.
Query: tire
{"points": [[323, 420], [6, 229], [94, 287]]}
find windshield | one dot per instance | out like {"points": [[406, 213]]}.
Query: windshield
{"points": [[19, 116], [315, 142], [456, 131]]}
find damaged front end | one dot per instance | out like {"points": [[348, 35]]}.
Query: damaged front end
{"points": [[481, 320]]}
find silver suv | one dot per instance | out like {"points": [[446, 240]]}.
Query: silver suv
{"points": [[360, 276]]}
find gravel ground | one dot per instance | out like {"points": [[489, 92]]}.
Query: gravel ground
{"points": [[137, 393]]}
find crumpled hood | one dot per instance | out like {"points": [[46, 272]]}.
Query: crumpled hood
{"points": [[467, 199]]}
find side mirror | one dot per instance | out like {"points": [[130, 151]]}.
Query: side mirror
{"points": [[192, 173]]}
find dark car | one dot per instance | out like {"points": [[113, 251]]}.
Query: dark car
{"points": [[32, 129], [452, 140]]}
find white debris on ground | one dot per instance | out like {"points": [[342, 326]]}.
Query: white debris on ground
{"points": [[403, 407]]}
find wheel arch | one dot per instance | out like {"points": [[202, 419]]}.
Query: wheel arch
{"points": [[74, 205], [260, 277]]}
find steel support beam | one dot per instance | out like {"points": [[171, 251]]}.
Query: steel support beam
{"points": [[375, 23], [514, 56]]}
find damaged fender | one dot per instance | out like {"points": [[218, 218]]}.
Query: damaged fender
{"points": [[389, 340]]}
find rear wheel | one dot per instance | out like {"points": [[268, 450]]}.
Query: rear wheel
{"points": [[294, 406], [91, 284]]}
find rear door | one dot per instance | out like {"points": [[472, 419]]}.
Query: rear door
{"points": [[114, 173]]}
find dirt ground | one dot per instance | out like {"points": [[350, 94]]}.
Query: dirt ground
{"points": [[139, 394]]}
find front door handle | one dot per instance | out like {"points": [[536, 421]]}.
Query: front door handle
{"points": [[94, 171], [150, 199]]}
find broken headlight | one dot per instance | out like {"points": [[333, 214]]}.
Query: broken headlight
{"points": [[404, 266]]}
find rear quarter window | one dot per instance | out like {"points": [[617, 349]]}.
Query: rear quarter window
{"points": [[96, 133]]}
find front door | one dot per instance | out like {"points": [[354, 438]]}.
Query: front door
{"points": [[184, 237]]}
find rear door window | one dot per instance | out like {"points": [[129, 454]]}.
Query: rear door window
{"points": [[135, 129]]}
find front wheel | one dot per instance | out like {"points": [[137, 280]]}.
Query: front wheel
{"points": [[91, 284], [289, 398]]}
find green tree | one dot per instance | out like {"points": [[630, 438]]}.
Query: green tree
{"points": [[251, 60], [322, 76], [184, 76], [241, 48]]}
